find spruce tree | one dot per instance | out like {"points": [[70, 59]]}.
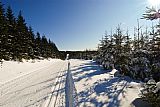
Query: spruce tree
{"points": [[37, 45], [31, 43], [127, 43], [118, 41], [18, 41], [55, 51], [11, 32], [44, 46], [22, 39], [3, 31]]}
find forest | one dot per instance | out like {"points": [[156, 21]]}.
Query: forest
{"points": [[18, 41], [136, 55]]}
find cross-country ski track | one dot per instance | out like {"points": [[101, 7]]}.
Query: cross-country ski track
{"points": [[44, 86], [36, 88]]}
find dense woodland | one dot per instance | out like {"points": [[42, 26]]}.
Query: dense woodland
{"points": [[87, 54], [136, 55], [17, 40]]}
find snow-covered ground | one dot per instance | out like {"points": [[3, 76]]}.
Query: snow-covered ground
{"points": [[99, 88], [30, 84], [42, 84], [11, 69]]}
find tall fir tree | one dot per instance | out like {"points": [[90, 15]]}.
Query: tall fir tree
{"points": [[3, 31], [11, 32], [37, 45], [44, 46], [18, 41], [118, 45], [22, 39], [30, 42]]}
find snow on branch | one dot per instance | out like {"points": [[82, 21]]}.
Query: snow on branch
{"points": [[151, 14]]}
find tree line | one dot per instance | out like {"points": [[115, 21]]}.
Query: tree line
{"points": [[17, 40], [136, 55], [86, 54]]}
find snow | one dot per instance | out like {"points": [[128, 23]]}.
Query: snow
{"points": [[99, 88], [42, 84], [34, 85], [12, 69]]}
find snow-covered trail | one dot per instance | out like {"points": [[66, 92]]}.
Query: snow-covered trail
{"points": [[42, 87], [42, 84], [99, 88]]}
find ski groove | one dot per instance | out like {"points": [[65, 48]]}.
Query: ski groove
{"points": [[31, 89]]}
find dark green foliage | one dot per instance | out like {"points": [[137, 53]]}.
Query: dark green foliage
{"points": [[18, 41], [37, 45], [155, 71], [115, 49], [152, 98], [138, 58], [30, 43], [44, 48], [151, 93], [11, 32], [3, 38]]}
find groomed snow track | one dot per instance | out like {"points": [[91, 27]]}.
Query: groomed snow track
{"points": [[44, 87], [47, 86], [57, 97], [64, 93]]}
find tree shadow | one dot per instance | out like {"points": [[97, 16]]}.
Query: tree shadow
{"points": [[139, 102], [88, 70], [40, 89], [104, 92]]}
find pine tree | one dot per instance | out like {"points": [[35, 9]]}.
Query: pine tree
{"points": [[118, 45], [44, 46], [135, 41], [37, 46], [31, 43], [11, 32], [147, 39], [100, 51], [55, 51], [18, 41], [127, 44], [151, 14], [22, 39], [50, 50], [3, 37]]}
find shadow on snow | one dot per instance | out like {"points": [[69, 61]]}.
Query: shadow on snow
{"points": [[100, 89]]}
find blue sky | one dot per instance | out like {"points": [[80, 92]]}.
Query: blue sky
{"points": [[79, 24]]}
